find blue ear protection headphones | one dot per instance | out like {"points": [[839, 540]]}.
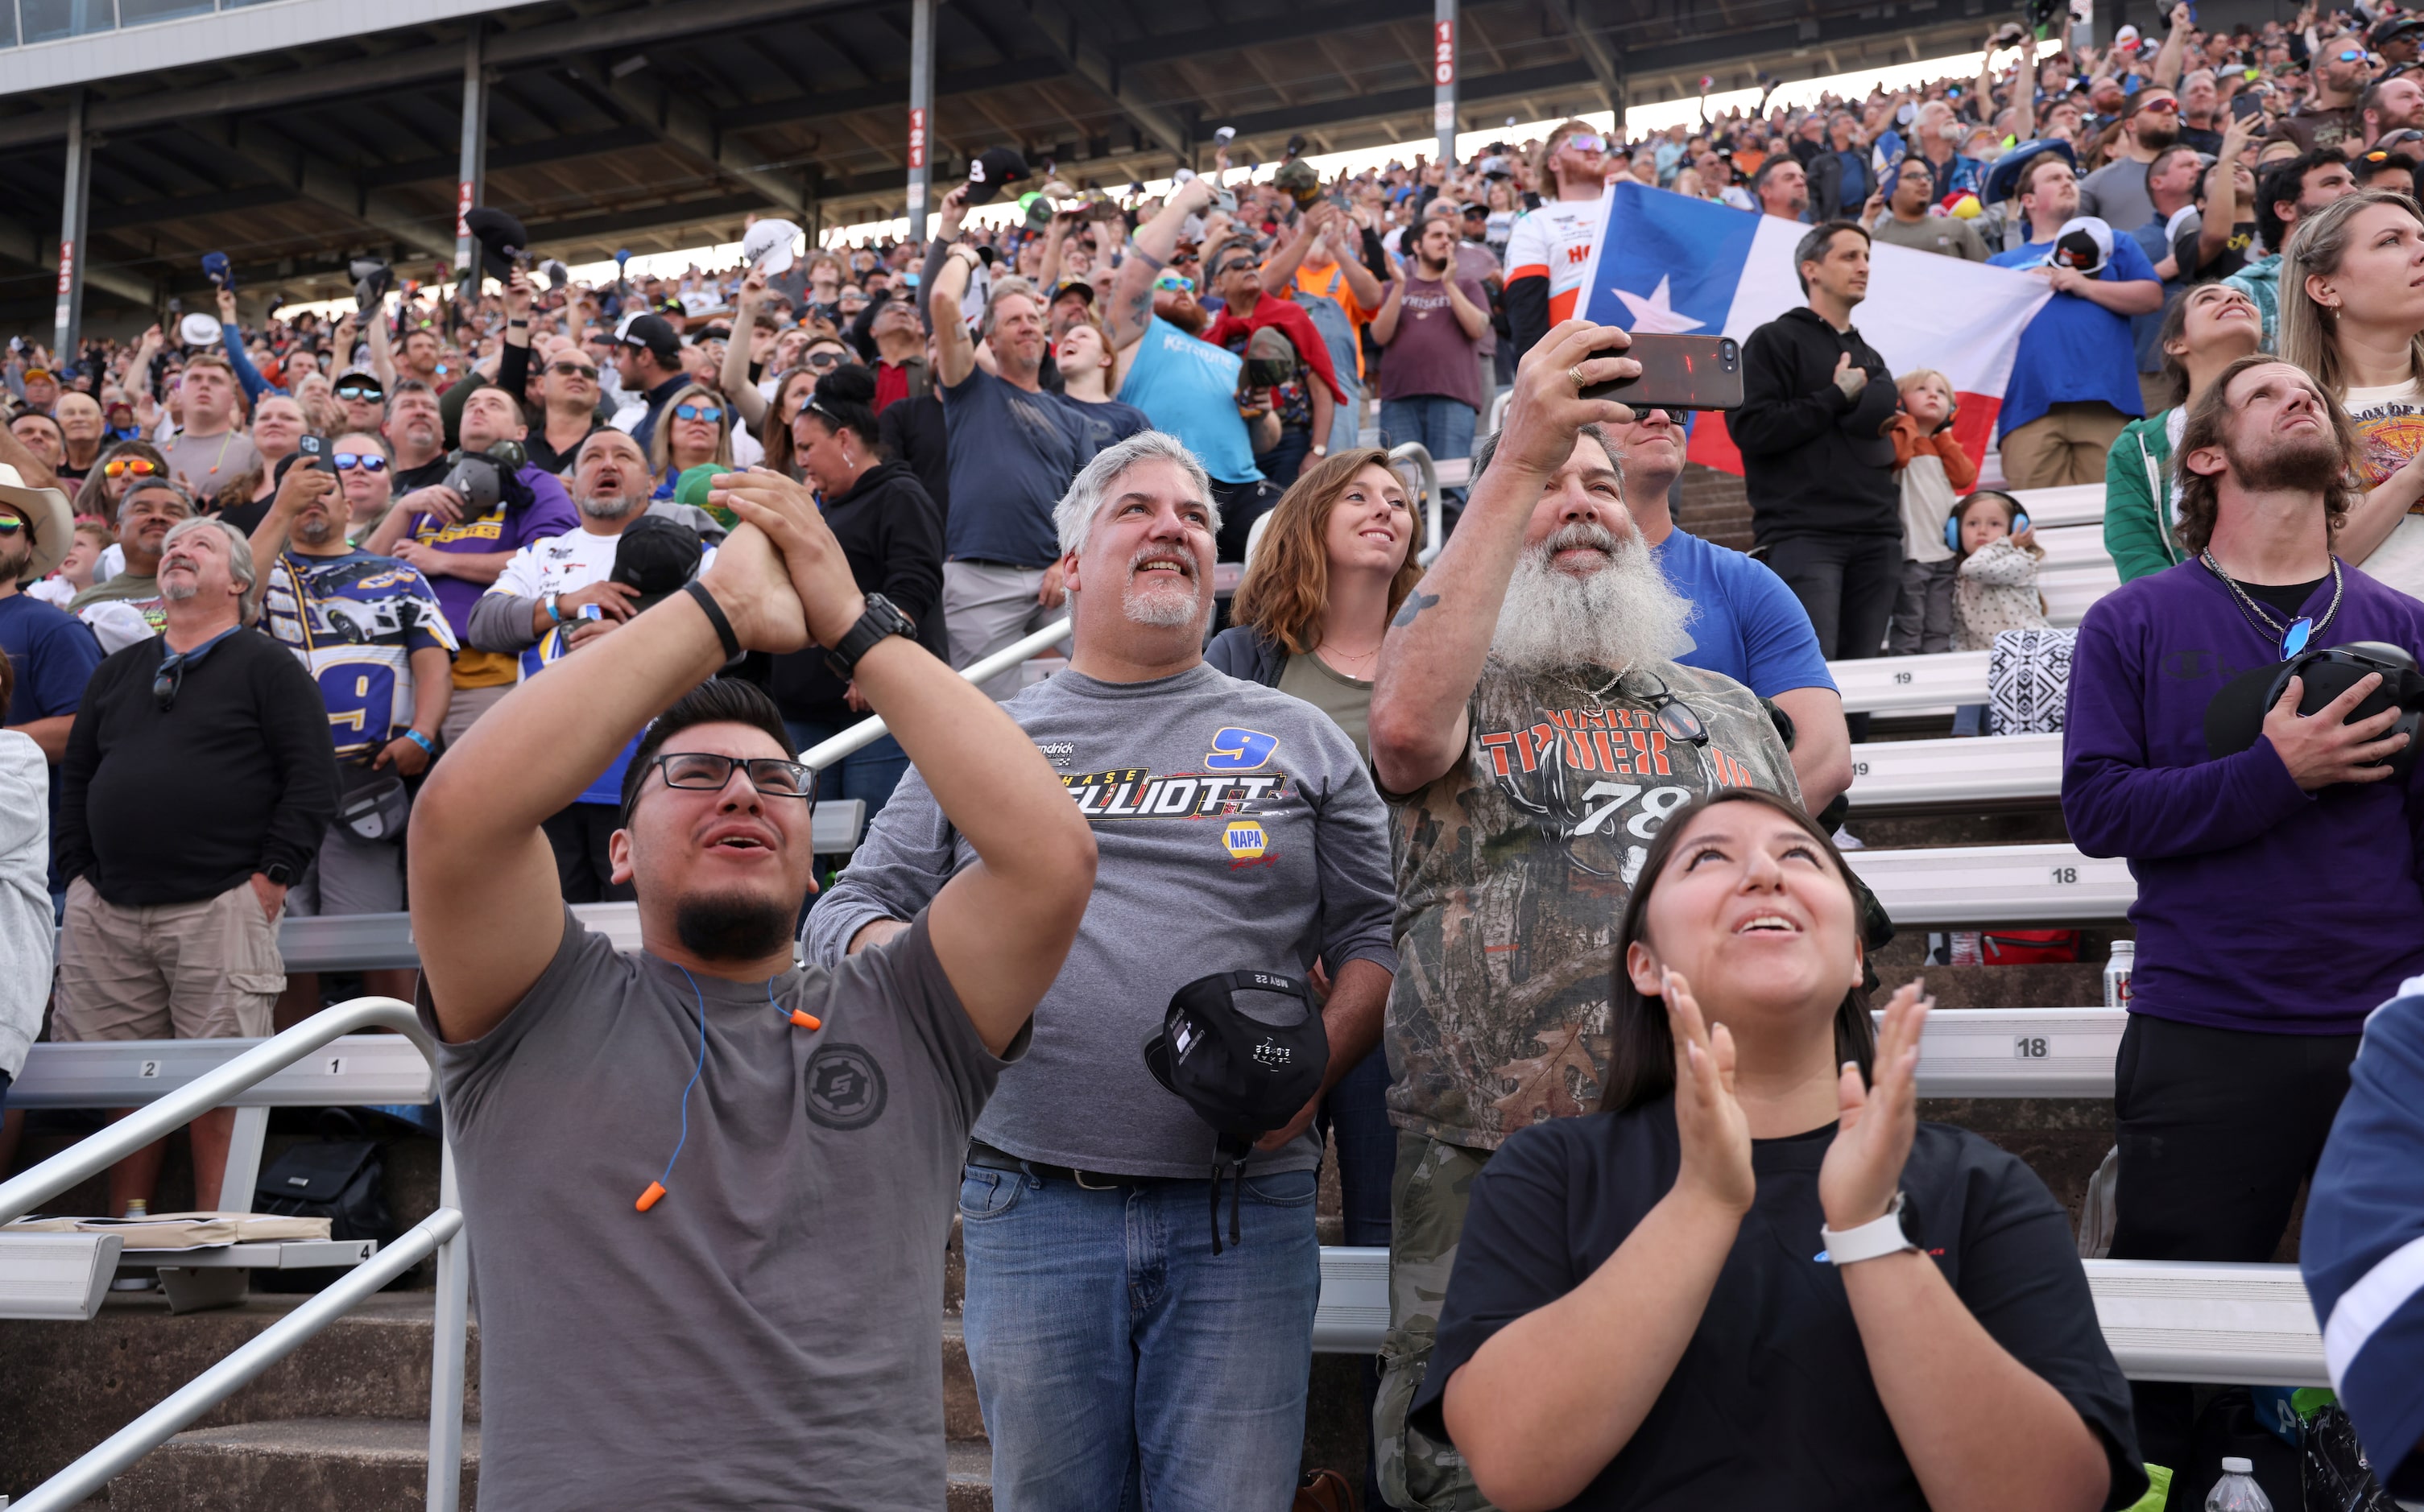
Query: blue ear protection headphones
{"points": [[798, 1016], [1952, 521]]}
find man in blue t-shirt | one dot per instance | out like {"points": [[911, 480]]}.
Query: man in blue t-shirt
{"points": [[1013, 448], [2075, 381], [1745, 623], [50, 651]]}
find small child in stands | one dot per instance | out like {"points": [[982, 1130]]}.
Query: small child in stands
{"points": [[1933, 471], [1997, 586]]}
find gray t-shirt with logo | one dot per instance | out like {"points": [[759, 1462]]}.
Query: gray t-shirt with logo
{"points": [[1237, 829], [768, 1333]]}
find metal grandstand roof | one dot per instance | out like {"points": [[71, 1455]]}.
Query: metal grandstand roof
{"points": [[620, 124]]}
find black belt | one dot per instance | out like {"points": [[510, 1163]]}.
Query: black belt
{"points": [[985, 1157]]}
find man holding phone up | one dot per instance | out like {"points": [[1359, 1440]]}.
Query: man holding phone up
{"points": [[1816, 460]]}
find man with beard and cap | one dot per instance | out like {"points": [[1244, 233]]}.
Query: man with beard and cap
{"points": [[1118, 1351], [1013, 448], [559, 594], [1531, 730], [2278, 899], [461, 549], [1185, 386], [709, 1189], [370, 631]]}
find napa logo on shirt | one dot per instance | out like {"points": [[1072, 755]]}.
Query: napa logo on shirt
{"points": [[1246, 841]]}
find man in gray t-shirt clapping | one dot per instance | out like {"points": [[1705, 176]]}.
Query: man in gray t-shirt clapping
{"points": [[1116, 1354], [708, 1190]]}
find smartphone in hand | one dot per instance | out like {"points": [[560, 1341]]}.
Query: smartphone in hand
{"points": [[1679, 373]]}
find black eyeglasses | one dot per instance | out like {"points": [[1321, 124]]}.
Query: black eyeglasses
{"points": [[707, 771], [1674, 715], [170, 679]]}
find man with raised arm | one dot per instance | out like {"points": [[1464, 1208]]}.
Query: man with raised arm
{"points": [[1531, 730], [709, 1190]]}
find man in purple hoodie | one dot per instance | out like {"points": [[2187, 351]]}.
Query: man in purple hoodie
{"points": [[2278, 897]]}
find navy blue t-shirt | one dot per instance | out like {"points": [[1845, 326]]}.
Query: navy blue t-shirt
{"points": [[1012, 455], [52, 654], [1745, 623]]}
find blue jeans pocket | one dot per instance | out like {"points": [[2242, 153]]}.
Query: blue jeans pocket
{"points": [[1288, 1189], [987, 1194]]}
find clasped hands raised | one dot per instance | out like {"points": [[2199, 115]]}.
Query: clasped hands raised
{"points": [[780, 576]]}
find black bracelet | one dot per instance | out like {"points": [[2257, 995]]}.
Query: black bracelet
{"points": [[714, 617]]}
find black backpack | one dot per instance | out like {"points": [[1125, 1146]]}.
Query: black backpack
{"points": [[341, 1179]]}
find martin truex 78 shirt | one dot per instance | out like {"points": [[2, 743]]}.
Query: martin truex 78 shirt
{"points": [[1772, 1404], [1237, 829]]}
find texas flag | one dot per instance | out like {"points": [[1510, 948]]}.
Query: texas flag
{"points": [[1669, 263]]}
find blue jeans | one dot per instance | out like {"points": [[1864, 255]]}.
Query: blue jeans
{"points": [[1120, 1364], [1357, 1111], [869, 773], [1443, 425]]}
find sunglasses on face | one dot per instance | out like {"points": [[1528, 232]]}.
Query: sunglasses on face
{"points": [[1582, 142], [2169, 107], [121, 466], [1176, 282], [10, 526], [708, 413], [821, 360], [2352, 55], [571, 369], [367, 461], [355, 392]]}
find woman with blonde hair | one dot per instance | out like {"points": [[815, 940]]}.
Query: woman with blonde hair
{"points": [[694, 429], [2352, 316]]}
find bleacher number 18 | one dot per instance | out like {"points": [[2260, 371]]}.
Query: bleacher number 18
{"points": [[2065, 876], [2030, 1047]]}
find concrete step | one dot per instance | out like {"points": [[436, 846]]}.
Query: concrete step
{"points": [[291, 1465], [971, 1486], [68, 1386]]}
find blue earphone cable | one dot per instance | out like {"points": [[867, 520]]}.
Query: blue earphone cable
{"points": [[657, 1188]]}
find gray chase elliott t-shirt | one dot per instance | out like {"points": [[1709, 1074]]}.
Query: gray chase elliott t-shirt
{"points": [[1236, 830], [769, 1333]]}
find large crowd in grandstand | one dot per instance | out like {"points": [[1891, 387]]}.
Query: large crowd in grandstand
{"points": [[497, 592]]}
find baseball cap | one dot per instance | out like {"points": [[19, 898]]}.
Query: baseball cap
{"points": [[656, 556], [1300, 181], [2084, 244], [652, 332], [361, 378], [1079, 287], [993, 168], [500, 237], [2126, 39], [1245, 1050], [768, 245], [2390, 28]]}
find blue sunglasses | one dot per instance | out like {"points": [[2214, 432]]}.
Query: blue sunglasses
{"points": [[710, 413]]}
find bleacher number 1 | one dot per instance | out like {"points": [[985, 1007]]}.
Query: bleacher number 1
{"points": [[2065, 876], [2029, 1047]]}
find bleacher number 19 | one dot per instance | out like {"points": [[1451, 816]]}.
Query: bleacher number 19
{"points": [[2030, 1047]]}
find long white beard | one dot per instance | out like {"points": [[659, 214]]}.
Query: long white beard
{"points": [[1622, 615]]}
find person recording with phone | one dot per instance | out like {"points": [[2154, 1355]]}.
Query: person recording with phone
{"points": [[1816, 430], [2275, 838]]}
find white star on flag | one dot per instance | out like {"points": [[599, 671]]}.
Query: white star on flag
{"points": [[1655, 315]]}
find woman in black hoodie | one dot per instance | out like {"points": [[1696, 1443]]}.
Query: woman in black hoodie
{"points": [[893, 536]]}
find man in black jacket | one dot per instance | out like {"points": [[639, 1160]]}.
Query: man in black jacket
{"points": [[199, 783], [1816, 403]]}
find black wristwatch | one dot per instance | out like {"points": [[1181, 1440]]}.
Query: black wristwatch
{"points": [[279, 873], [881, 618]]}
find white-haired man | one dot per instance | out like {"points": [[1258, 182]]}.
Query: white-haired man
{"points": [[1117, 1352], [1532, 731]]}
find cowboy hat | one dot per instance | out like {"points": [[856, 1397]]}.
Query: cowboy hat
{"points": [[47, 514]]}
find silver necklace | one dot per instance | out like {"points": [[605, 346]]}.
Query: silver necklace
{"points": [[2291, 638]]}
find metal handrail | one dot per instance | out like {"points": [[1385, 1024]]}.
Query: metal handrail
{"points": [[441, 1232], [865, 733], [1434, 507]]}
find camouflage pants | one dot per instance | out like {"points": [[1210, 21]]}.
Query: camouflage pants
{"points": [[1433, 1186]]}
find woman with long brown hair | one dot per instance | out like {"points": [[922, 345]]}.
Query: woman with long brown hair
{"points": [[1334, 562], [1753, 1278]]}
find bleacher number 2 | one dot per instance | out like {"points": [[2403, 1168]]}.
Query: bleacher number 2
{"points": [[2030, 1047], [2065, 876], [151, 1068]]}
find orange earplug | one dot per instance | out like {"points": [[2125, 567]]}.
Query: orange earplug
{"points": [[805, 1019], [649, 1198]]}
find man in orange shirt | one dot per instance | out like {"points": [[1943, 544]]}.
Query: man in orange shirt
{"points": [[1342, 296]]}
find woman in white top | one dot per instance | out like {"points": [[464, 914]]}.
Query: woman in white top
{"points": [[26, 914], [2352, 314]]}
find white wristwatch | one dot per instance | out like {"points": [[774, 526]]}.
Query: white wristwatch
{"points": [[1876, 1237]]}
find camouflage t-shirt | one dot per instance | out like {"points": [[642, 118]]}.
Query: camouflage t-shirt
{"points": [[1513, 871]]}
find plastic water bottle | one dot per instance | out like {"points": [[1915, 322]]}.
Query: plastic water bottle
{"points": [[2237, 1491], [2116, 973], [138, 1208]]}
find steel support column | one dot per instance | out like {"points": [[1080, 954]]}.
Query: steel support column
{"points": [[921, 112], [75, 198], [1443, 78], [472, 165]]}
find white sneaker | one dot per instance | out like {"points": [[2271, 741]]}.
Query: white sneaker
{"points": [[1846, 840]]}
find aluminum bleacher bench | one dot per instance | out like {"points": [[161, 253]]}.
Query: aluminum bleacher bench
{"points": [[2053, 509], [2163, 1320], [1910, 684], [1995, 884], [63, 1276], [2001, 772]]}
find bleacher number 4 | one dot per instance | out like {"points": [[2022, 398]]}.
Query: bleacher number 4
{"points": [[2030, 1047]]}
